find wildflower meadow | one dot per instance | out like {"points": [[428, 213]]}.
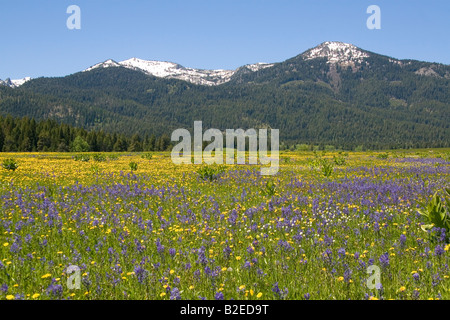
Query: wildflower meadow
{"points": [[138, 226]]}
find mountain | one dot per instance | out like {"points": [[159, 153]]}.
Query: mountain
{"points": [[333, 94], [340, 53], [170, 70], [14, 83]]}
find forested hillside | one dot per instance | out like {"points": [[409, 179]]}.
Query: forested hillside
{"points": [[377, 103]]}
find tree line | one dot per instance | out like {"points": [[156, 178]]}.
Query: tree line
{"points": [[28, 135]]}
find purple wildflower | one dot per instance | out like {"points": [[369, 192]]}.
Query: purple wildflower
{"points": [[140, 273], [328, 255], [347, 275], [280, 294], [284, 245], [159, 246], [4, 288], [384, 260], [55, 290], [438, 251], [175, 294], [227, 251], [341, 253], [218, 296], [233, 217], [402, 240]]}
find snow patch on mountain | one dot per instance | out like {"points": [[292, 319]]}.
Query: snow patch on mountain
{"points": [[258, 66], [106, 64], [395, 61], [341, 53], [163, 69], [14, 83], [20, 82]]}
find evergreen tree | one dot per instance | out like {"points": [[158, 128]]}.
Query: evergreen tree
{"points": [[80, 145], [135, 145]]}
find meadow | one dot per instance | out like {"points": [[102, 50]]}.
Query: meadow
{"points": [[140, 227]]}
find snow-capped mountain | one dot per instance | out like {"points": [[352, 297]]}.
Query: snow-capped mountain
{"points": [[163, 69], [14, 83], [335, 52], [106, 64]]}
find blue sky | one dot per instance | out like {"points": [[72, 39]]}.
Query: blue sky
{"points": [[210, 34]]}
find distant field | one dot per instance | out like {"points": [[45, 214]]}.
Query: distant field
{"points": [[164, 231]]}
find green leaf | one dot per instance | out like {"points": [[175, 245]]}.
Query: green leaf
{"points": [[423, 213], [426, 227]]}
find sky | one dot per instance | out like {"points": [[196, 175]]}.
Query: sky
{"points": [[210, 34]]}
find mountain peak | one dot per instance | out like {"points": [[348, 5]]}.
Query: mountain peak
{"points": [[14, 83], [152, 67], [337, 53], [106, 64]]}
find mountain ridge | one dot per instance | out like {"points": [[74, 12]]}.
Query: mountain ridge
{"points": [[171, 70], [336, 52]]}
